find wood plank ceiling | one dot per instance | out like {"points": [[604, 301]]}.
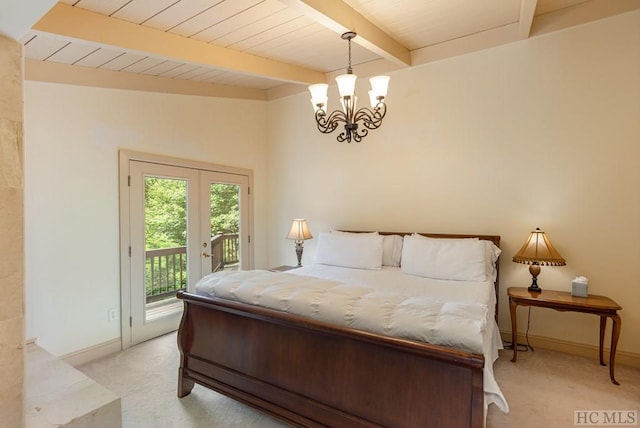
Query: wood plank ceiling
{"points": [[268, 44]]}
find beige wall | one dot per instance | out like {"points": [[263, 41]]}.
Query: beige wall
{"points": [[11, 235], [72, 138], [540, 133]]}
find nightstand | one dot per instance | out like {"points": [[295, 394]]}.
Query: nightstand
{"points": [[563, 301], [283, 268]]}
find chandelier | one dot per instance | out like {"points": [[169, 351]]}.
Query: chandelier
{"points": [[369, 118]]}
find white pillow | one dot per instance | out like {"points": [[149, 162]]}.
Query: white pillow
{"points": [[492, 253], [353, 250], [449, 259], [391, 247], [391, 250]]}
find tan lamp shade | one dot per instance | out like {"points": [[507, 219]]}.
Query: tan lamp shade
{"points": [[299, 230], [538, 250]]}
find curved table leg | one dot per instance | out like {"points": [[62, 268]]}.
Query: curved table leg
{"points": [[603, 326], [514, 329], [615, 334]]}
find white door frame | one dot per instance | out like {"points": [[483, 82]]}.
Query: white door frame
{"points": [[125, 156]]}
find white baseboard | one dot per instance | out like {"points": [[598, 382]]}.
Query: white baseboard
{"points": [[92, 353], [580, 349]]}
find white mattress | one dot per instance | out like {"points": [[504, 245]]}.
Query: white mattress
{"points": [[459, 314]]}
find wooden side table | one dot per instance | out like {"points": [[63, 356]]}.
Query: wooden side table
{"points": [[564, 301]]}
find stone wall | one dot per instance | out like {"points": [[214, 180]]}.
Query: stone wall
{"points": [[12, 351]]}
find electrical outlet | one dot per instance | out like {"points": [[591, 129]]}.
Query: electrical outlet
{"points": [[113, 315]]}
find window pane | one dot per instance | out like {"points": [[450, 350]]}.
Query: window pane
{"points": [[165, 215], [225, 226]]}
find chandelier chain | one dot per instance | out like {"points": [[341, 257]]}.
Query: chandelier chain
{"points": [[349, 69]]}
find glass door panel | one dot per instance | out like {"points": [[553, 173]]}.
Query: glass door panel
{"points": [[161, 262], [165, 215], [224, 226], [224, 237]]}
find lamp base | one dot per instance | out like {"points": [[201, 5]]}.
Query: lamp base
{"points": [[534, 270], [299, 252]]}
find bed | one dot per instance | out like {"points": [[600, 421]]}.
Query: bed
{"points": [[309, 364]]}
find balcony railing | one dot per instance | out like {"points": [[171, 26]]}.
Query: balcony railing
{"points": [[165, 272], [224, 251], [166, 268]]}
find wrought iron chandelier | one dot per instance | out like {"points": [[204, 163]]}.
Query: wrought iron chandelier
{"points": [[369, 118]]}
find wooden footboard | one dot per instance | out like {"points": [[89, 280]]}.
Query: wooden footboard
{"points": [[310, 373]]}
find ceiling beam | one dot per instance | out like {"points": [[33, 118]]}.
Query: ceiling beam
{"points": [[527, 12], [49, 71], [77, 23], [340, 17]]}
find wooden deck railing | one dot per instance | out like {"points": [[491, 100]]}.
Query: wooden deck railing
{"points": [[166, 268], [165, 272], [224, 251]]}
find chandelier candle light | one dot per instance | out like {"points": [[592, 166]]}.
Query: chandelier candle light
{"points": [[369, 118]]}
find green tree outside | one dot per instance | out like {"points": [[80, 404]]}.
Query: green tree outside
{"points": [[166, 211], [225, 208], [166, 225]]}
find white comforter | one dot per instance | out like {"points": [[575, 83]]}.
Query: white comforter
{"points": [[453, 314], [455, 324]]}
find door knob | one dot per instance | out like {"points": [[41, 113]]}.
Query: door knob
{"points": [[206, 255]]}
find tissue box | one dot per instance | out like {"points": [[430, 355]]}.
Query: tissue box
{"points": [[579, 289]]}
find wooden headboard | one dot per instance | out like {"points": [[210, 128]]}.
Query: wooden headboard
{"points": [[493, 238]]}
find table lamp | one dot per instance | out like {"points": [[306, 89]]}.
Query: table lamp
{"points": [[299, 232], [536, 251]]}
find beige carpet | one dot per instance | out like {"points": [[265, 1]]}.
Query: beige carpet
{"points": [[543, 389]]}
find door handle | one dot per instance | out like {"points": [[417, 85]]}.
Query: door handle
{"points": [[206, 255]]}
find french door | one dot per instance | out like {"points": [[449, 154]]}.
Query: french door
{"points": [[183, 223]]}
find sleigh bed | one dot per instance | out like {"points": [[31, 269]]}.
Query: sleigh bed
{"points": [[309, 370]]}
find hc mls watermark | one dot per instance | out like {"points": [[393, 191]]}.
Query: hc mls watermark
{"points": [[605, 417]]}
